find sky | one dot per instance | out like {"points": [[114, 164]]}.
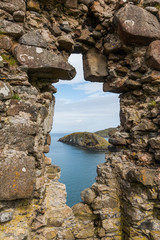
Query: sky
{"points": [[82, 105]]}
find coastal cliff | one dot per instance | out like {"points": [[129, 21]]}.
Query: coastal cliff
{"points": [[86, 140], [119, 41]]}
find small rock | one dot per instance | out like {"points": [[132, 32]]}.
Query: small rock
{"points": [[56, 31], [5, 43], [5, 91], [88, 195], [153, 10], [151, 2], [1, 62], [65, 43], [33, 5], [47, 161], [66, 28], [19, 16], [86, 2], [71, 3], [6, 216]]}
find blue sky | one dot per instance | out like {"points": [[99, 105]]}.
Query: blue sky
{"points": [[82, 105]]}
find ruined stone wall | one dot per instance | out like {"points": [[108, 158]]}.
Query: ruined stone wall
{"points": [[120, 43]]}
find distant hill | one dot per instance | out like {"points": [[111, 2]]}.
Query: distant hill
{"points": [[86, 140], [105, 133]]}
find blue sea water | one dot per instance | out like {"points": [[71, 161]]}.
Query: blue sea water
{"points": [[78, 166]]}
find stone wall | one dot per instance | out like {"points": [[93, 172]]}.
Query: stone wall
{"points": [[120, 42]]}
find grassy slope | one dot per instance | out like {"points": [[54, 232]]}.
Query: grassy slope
{"points": [[105, 132]]}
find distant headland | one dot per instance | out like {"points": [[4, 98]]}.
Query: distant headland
{"points": [[106, 132], [86, 140]]}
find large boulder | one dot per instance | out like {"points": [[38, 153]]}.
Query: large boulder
{"points": [[153, 55], [43, 64], [135, 25], [95, 66]]}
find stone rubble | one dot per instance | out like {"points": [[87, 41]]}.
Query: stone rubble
{"points": [[119, 41]]}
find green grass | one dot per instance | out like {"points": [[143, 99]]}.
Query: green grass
{"points": [[16, 96], [9, 59]]}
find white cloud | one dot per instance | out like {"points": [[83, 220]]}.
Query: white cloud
{"points": [[87, 115], [76, 61], [90, 88]]}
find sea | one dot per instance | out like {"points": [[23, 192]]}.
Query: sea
{"points": [[78, 166]]}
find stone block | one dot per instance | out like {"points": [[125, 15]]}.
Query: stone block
{"points": [[95, 66], [33, 38], [44, 64], [17, 176], [11, 29]]}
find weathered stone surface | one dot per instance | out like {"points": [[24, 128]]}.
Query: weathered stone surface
{"points": [[43, 64], [132, 28], [88, 195], [17, 176], [13, 5], [65, 44], [112, 43], [11, 29], [5, 91], [145, 176], [33, 38], [83, 211], [71, 3], [5, 43], [153, 55], [95, 66]]}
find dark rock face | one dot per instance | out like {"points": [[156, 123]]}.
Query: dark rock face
{"points": [[133, 29], [153, 55], [42, 63], [17, 177]]}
